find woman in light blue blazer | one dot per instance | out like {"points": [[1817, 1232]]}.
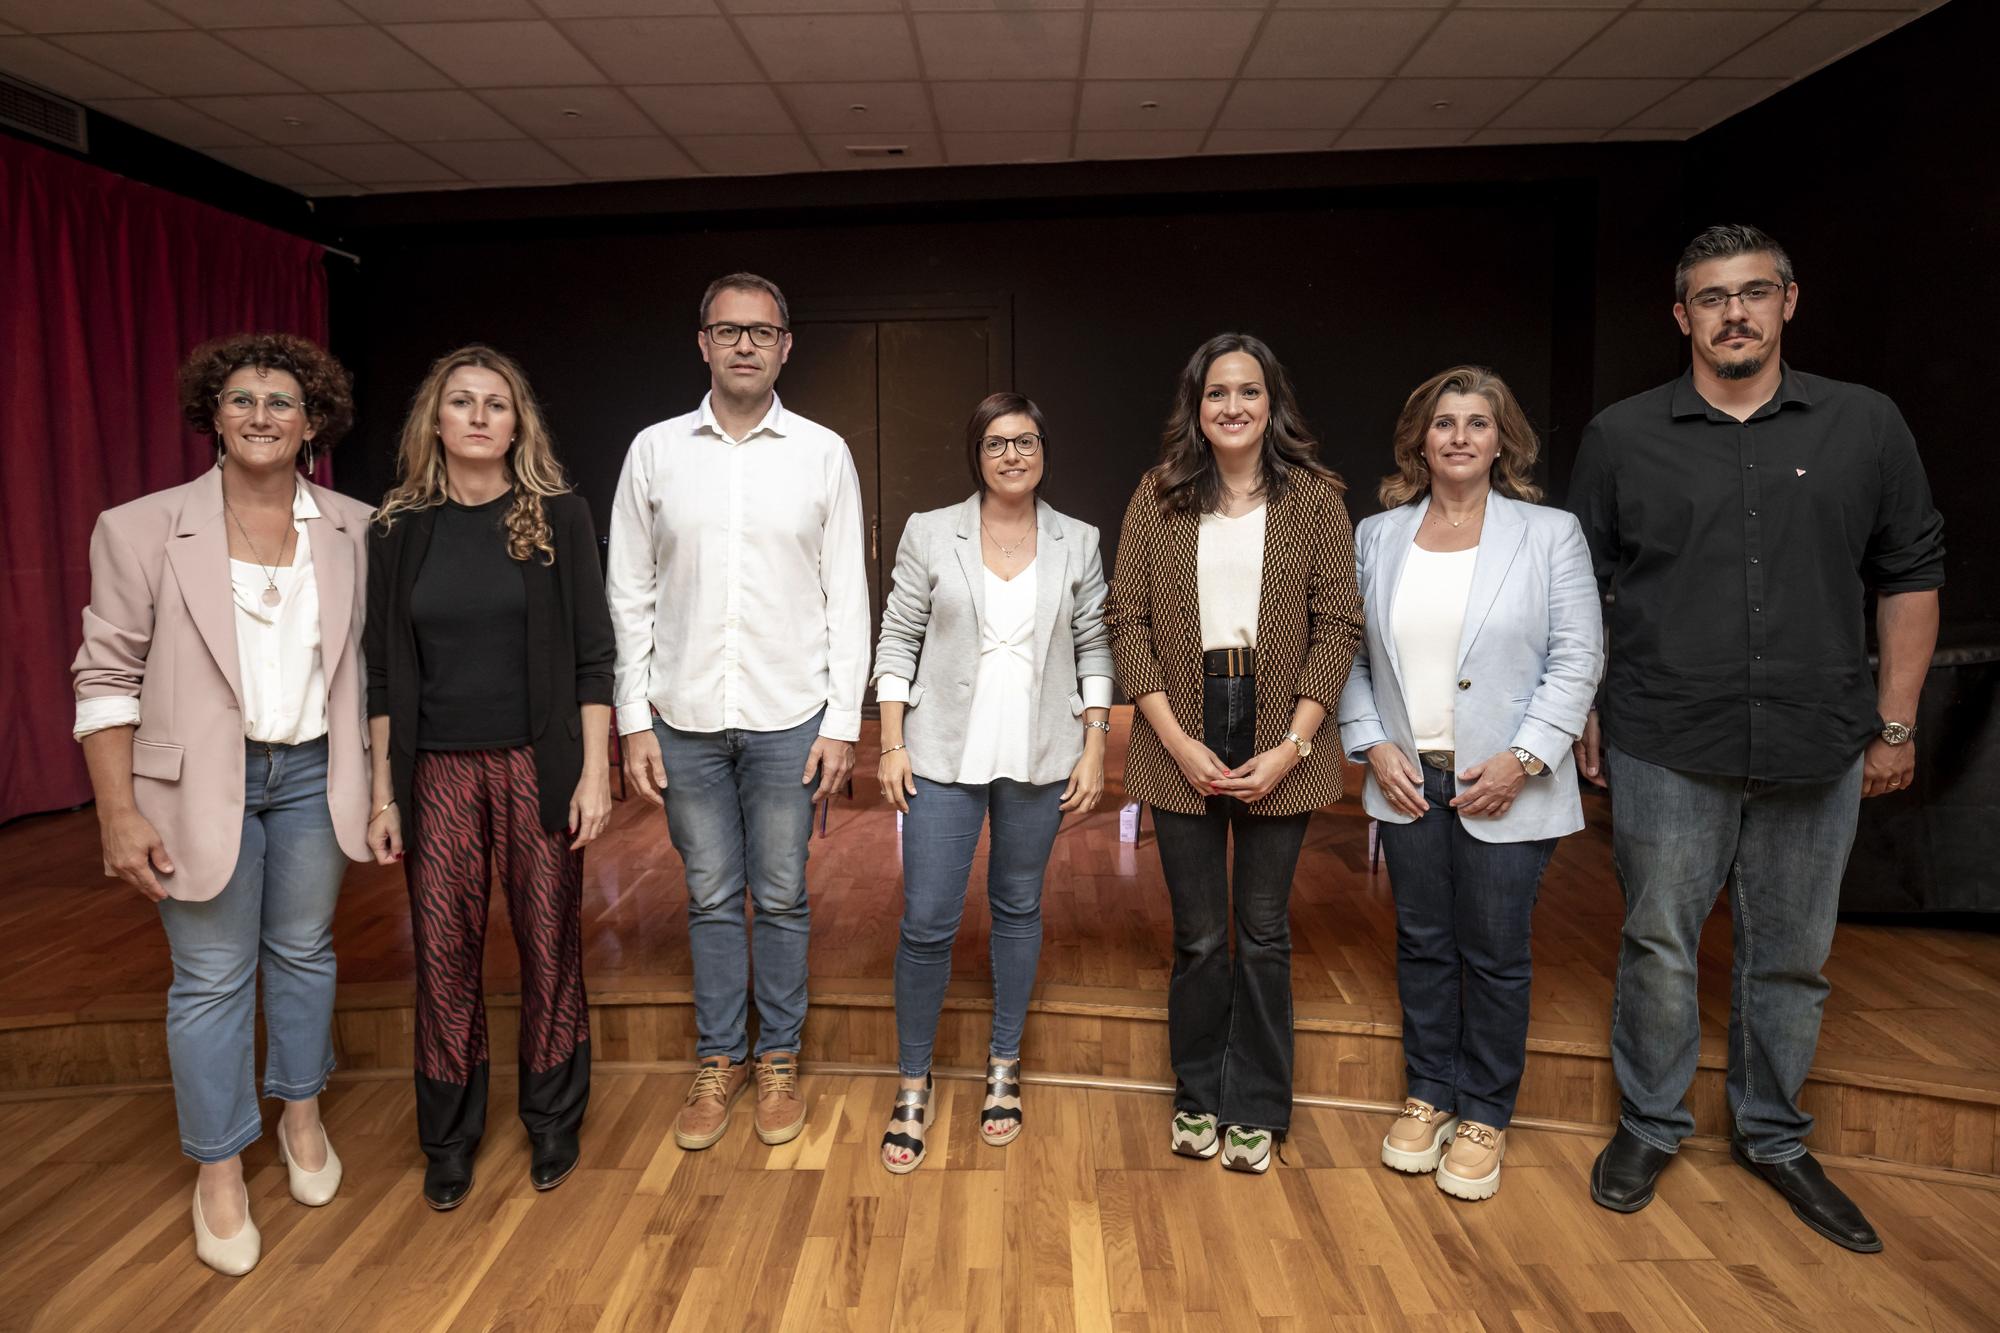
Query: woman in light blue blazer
{"points": [[994, 676], [1484, 643]]}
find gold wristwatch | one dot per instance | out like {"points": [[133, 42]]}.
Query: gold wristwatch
{"points": [[1305, 746], [1535, 767]]}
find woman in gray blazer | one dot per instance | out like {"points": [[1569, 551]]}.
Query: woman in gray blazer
{"points": [[994, 676], [1483, 649]]}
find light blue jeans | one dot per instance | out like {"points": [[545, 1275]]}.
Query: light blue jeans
{"points": [[740, 817], [940, 835], [278, 909], [1782, 847]]}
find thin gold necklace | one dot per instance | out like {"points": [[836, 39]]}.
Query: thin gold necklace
{"points": [[1006, 551], [1438, 509], [271, 594]]}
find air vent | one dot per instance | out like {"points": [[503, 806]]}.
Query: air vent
{"points": [[878, 150], [26, 107]]}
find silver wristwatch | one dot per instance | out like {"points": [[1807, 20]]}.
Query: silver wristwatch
{"points": [[1535, 767], [1896, 733]]}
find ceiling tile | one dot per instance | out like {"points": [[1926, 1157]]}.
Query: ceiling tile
{"points": [[989, 6], [86, 15], [1016, 146], [49, 66], [1368, 138], [750, 154], [1500, 136], [623, 9], [727, 108], [346, 59], [268, 117], [677, 50], [1739, 4], [1103, 5], [1296, 104], [416, 11], [327, 189], [1138, 143], [1584, 103], [422, 117], [919, 150], [1432, 5], [1571, 4], [828, 108], [1181, 104], [1809, 41], [812, 6], [1328, 44], [174, 120], [1268, 141], [260, 13], [376, 163], [275, 164], [1169, 44], [1468, 103], [832, 47], [602, 113], [502, 160], [626, 159], [179, 64], [1628, 133], [1705, 102], [1639, 45], [499, 54], [1024, 46], [1005, 106], [1505, 43]]}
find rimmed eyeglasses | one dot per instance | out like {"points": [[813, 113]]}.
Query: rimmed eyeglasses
{"points": [[728, 335], [1027, 446]]}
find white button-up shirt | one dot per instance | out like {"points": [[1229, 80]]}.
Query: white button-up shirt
{"points": [[736, 580]]}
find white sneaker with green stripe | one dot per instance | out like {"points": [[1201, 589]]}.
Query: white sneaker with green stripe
{"points": [[1194, 1134], [1246, 1149]]}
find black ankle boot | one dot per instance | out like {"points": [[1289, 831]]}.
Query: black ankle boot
{"points": [[447, 1180], [1626, 1171], [552, 1157], [1819, 1202]]}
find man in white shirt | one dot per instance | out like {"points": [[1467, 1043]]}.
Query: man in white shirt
{"points": [[740, 601]]}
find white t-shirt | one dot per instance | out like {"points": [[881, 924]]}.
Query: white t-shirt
{"points": [[1428, 618], [1229, 569]]}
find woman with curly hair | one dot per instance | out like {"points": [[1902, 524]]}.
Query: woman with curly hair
{"points": [[219, 705], [1233, 618], [489, 705]]}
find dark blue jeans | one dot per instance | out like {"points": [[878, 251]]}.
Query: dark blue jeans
{"points": [[940, 834], [1782, 847], [1463, 910], [1229, 1020]]}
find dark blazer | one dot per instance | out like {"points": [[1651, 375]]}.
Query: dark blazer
{"points": [[571, 651], [1308, 626]]}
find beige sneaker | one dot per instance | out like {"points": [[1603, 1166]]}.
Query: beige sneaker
{"points": [[1471, 1170], [1416, 1141], [705, 1114], [781, 1112]]}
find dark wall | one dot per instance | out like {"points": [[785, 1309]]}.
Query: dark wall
{"points": [[1877, 175]]}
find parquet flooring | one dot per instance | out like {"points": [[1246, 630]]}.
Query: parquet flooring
{"points": [[1085, 1223]]}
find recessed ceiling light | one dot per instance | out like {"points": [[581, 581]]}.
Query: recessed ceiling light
{"points": [[858, 107], [293, 121], [571, 113], [1149, 106], [1440, 105]]}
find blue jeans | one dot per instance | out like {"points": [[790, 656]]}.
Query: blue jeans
{"points": [[1782, 847], [739, 816], [1229, 1020], [1463, 910], [277, 908], [940, 834]]}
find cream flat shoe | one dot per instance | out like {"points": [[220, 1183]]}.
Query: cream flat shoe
{"points": [[233, 1257], [311, 1188]]}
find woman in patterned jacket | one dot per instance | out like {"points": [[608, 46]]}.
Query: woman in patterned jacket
{"points": [[1234, 618]]}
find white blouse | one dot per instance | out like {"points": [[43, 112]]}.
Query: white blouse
{"points": [[1229, 574], [1427, 619], [278, 655]]}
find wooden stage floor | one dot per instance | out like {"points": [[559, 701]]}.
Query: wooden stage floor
{"points": [[1908, 1070]]}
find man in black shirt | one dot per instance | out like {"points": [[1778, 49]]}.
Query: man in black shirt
{"points": [[1738, 518]]}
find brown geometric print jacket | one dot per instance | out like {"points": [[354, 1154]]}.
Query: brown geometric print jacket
{"points": [[1308, 625]]}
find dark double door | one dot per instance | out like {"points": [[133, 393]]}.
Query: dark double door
{"points": [[897, 384]]}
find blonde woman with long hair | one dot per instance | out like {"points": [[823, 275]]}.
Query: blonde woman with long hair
{"points": [[490, 661]]}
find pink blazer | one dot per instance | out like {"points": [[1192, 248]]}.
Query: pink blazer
{"points": [[161, 626]]}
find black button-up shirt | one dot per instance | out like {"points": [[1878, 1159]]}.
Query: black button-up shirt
{"points": [[1735, 558]]}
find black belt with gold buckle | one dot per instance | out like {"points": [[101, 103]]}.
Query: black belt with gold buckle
{"points": [[1229, 662]]}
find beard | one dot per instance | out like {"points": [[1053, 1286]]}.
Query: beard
{"points": [[1739, 370]]}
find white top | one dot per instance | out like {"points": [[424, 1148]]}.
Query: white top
{"points": [[277, 651], [1229, 574], [1426, 623], [736, 582]]}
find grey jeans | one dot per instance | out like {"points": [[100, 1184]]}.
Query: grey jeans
{"points": [[1782, 847]]}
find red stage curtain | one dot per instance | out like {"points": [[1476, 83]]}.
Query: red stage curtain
{"points": [[105, 285]]}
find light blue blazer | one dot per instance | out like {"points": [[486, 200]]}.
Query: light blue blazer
{"points": [[1529, 659]]}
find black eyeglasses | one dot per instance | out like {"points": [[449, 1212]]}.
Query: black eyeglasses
{"points": [[728, 335], [1025, 445]]}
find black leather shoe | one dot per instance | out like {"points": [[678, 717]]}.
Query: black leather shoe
{"points": [[1817, 1200], [447, 1182], [1624, 1174], [552, 1157]]}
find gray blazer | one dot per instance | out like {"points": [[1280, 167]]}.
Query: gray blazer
{"points": [[1529, 659], [930, 635]]}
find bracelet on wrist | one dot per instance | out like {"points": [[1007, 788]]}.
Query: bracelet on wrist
{"points": [[1104, 727], [382, 809], [891, 749]]}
